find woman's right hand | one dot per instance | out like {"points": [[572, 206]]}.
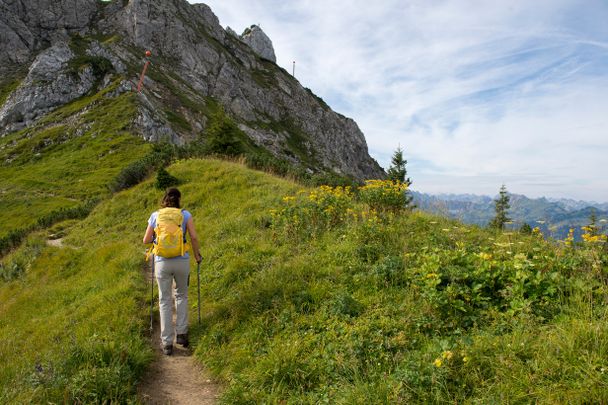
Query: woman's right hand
{"points": [[198, 257]]}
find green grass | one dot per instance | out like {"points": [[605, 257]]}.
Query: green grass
{"points": [[70, 156], [297, 141], [178, 119], [79, 313], [348, 317], [74, 326], [8, 85], [357, 313]]}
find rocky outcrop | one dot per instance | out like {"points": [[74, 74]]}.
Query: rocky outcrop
{"points": [[27, 26], [194, 62], [259, 42], [49, 84]]}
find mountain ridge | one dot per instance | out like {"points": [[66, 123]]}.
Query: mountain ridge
{"points": [[554, 217], [196, 65]]}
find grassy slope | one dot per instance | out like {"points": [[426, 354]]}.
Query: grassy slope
{"points": [[355, 316], [79, 314], [340, 318], [68, 157]]}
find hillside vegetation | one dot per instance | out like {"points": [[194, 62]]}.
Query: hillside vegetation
{"points": [[309, 296], [61, 166]]}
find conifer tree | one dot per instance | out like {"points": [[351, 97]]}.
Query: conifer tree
{"points": [[397, 172], [592, 227], [525, 229], [501, 207]]}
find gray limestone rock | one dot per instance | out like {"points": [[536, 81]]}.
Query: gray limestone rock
{"points": [[26, 26], [48, 85], [259, 42], [232, 32], [194, 61]]}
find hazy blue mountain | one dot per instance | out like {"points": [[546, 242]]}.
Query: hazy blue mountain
{"points": [[553, 216]]}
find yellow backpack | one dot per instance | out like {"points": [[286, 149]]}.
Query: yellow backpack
{"points": [[170, 240]]}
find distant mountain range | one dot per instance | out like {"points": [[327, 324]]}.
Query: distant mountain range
{"points": [[553, 216]]}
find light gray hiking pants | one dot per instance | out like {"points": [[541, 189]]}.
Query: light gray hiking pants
{"points": [[166, 272]]}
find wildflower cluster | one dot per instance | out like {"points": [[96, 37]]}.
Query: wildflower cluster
{"points": [[591, 235], [445, 357], [536, 232], [464, 285], [384, 195], [309, 213], [313, 212]]}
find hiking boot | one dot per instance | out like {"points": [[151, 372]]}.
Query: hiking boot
{"points": [[168, 350], [182, 340]]}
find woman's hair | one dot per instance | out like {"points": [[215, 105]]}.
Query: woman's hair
{"points": [[171, 198]]}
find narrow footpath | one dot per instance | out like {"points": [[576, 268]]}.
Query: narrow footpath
{"points": [[177, 379]]}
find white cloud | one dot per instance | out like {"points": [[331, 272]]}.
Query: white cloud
{"points": [[478, 93]]}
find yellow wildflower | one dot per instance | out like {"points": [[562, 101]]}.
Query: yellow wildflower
{"points": [[437, 363], [570, 238], [485, 256]]}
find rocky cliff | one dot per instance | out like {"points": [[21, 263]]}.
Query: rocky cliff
{"points": [[53, 52]]}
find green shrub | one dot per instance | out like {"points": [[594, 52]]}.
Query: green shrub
{"points": [[384, 195], [100, 65], [345, 304], [223, 137], [308, 215], [164, 180], [16, 264], [139, 170], [390, 271], [78, 212], [13, 239], [465, 287]]}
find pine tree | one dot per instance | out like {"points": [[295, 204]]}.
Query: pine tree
{"points": [[525, 229], [397, 172], [501, 207], [592, 227]]}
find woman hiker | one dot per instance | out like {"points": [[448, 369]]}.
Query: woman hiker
{"points": [[167, 230]]}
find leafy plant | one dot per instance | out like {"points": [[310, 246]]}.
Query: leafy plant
{"points": [[384, 195], [165, 180]]}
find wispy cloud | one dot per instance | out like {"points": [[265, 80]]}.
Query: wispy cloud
{"points": [[478, 93]]}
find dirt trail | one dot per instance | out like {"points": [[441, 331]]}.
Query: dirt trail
{"points": [[177, 379]]}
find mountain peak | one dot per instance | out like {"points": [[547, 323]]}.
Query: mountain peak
{"points": [[196, 67], [259, 42]]}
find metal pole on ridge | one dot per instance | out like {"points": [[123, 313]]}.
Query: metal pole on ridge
{"points": [[140, 85]]}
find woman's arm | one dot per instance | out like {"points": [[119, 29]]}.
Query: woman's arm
{"points": [[194, 240], [149, 236]]}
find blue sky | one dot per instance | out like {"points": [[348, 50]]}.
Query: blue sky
{"points": [[478, 93]]}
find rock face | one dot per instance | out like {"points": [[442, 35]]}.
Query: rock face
{"points": [[196, 65], [28, 26], [259, 42], [48, 84]]}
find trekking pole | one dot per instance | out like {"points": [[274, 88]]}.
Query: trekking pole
{"points": [[198, 287], [152, 296]]}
